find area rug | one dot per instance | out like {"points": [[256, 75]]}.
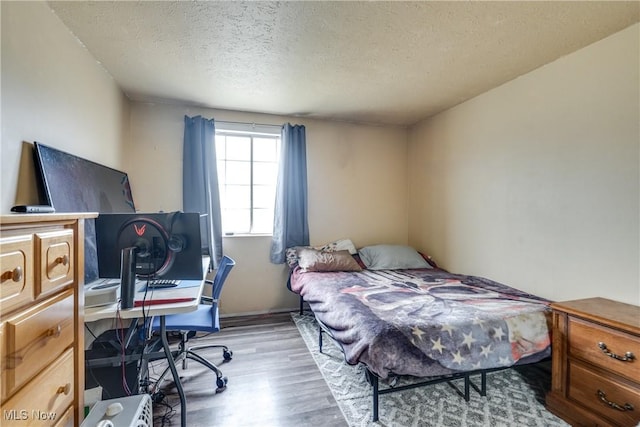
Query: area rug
{"points": [[515, 397]]}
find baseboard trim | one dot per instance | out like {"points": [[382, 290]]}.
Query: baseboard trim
{"points": [[256, 318], [259, 313]]}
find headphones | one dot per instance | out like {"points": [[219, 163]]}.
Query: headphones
{"points": [[175, 242]]}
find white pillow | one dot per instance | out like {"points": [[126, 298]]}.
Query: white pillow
{"points": [[391, 257], [340, 245]]}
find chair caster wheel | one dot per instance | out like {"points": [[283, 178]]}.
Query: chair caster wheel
{"points": [[227, 355], [221, 382]]}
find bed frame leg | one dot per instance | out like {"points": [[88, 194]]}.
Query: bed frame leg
{"points": [[320, 339], [483, 384], [301, 305], [467, 382], [374, 384]]}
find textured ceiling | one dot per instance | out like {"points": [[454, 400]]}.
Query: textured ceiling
{"points": [[376, 62]]}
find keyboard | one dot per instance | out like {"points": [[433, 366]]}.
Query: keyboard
{"points": [[161, 283]]}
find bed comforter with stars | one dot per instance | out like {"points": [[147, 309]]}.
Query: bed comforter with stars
{"points": [[426, 322]]}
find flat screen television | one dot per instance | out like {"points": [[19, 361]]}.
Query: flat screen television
{"points": [[73, 184], [167, 245]]}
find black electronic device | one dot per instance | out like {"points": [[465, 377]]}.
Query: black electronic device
{"points": [[166, 245], [72, 184], [33, 209]]}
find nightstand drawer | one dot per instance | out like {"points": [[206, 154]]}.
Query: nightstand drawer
{"points": [[599, 344], [34, 339], [607, 396]]}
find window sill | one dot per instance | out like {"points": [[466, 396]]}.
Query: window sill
{"points": [[247, 235]]}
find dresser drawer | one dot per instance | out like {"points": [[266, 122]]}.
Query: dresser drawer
{"points": [[66, 420], [585, 342], [34, 339], [604, 395], [16, 275], [44, 399], [55, 250]]}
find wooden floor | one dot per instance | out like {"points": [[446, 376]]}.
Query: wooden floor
{"points": [[273, 380]]}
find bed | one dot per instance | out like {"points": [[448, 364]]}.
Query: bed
{"points": [[394, 311]]}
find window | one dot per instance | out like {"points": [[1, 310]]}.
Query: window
{"points": [[247, 176]]}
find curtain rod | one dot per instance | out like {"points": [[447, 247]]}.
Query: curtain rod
{"points": [[222, 122]]}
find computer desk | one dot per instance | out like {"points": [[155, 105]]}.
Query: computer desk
{"points": [[190, 290]]}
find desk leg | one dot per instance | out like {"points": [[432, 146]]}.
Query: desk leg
{"points": [[174, 372]]}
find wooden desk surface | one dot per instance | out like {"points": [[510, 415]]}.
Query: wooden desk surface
{"points": [[186, 289], [111, 311]]}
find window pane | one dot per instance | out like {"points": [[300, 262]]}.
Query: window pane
{"points": [[262, 221], [221, 172], [265, 173], [238, 148], [237, 196], [247, 177], [265, 149], [236, 220], [220, 147], [264, 196], [238, 173]]}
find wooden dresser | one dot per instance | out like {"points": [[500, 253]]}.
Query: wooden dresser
{"points": [[596, 366], [41, 319]]}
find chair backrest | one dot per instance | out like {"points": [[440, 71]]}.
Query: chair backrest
{"points": [[225, 266]]}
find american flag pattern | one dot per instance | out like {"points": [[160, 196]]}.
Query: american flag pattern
{"points": [[426, 322]]}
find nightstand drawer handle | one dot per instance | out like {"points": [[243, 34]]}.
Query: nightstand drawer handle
{"points": [[628, 356], [624, 408]]}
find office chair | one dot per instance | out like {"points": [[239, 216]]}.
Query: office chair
{"points": [[204, 319]]}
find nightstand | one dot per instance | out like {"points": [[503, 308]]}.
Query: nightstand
{"points": [[595, 363]]}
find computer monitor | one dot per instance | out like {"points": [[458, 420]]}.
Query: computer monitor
{"points": [[167, 245]]}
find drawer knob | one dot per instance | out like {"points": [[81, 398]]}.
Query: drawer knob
{"points": [[64, 260], [15, 274], [628, 356], [54, 332], [624, 408], [64, 389]]}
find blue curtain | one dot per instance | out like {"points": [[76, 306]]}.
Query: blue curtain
{"points": [[290, 223], [200, 192]]}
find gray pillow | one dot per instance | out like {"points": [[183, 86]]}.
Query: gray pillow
{"points": [[391, 257]]}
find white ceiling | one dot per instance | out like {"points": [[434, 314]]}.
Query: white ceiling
{"points": [[376, 62]]}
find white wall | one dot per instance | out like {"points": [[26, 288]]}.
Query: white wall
{"points": [[54, 92], [536, 183], [357, 189]]}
